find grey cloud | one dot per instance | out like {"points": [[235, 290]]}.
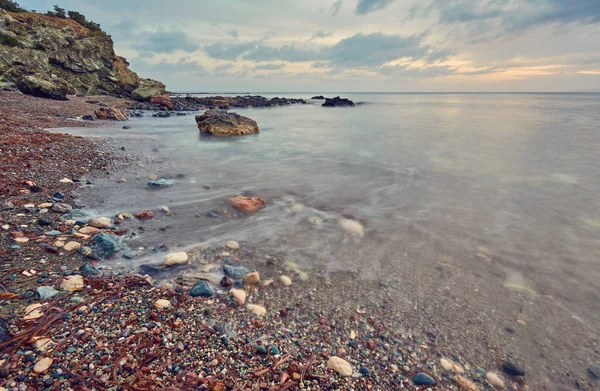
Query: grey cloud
{"points": [[224, 51], [335, 8], [320, 34], [269, 67], [165, 42], [223, 68], [357, 51], [234, 33], [365, 6], [500, 17], [440, 55], [183, 66]]}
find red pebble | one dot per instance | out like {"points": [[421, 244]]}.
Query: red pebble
{"points": [[145, 215]]}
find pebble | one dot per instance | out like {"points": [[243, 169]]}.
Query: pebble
{"points": [[72, 246], [43, 345], [162, 304], [495, 380], [232, 245], [60, 207], [145, 215], [512, 369], [285, 280], [423, 379], [252, 278], [340, 365], [22, 240], [72, 283], [176, 258], [352, 227], [239, 295], [46, 292], [33, 311], [45, 205], [89, 230], [235, 272], [85, 250], [450, 365], [257, 309], [201, 289], [465, 384], [65, 180], [42, 365]]}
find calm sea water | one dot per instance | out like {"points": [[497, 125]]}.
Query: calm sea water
{"points": [[504, 188]]}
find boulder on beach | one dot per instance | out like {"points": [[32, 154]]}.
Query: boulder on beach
{"points": [[111, 113], [223, 123], [338, 102], [163, 100]]}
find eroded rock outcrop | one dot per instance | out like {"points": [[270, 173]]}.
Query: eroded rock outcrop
{"points": [[223, 123], [338, 102], [54, 57]]}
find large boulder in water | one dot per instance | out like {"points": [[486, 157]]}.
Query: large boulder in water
{"points": [[222, 123], [338, 102]]}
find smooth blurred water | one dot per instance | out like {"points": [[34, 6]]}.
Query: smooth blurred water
{"points": [[433, 178]]}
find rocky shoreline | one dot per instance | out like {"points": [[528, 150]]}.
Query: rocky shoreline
{"points": [[95, 327]]}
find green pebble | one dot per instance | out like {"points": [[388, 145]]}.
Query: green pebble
{"points": [[274, 351]]}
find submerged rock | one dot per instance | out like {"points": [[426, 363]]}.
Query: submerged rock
{"points": [[221, 123], [160, 183], [105, 245], [235, 272], [247, 204]]}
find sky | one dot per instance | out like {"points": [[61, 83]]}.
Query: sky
{"points": [[354, 45]]}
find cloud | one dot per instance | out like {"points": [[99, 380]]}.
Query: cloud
{"points": [[320, 34], [223, 68], [225, 51], [357, 51], [487, 18], [365, 6], [182, 66], [269, 67], [375, 49], [234, 33], [165, 42], [335, 7]]}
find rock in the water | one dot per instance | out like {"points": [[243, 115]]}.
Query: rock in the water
{"points": [[247, 204], [252, 278], [340, 365], [97, 222], [111, 113], [72, 246], [176, 258], [285, 280], [594, 371], [145, 215], [235, 272], [352, 227], [42, 365], [163, 100], [423, 379], [46, 292], [72, 283], [494, 380], [223, 123], [59, 207], [162, 304], [239, 295], [319, 97], [201, 289], [465, 384], [338, 102], [257, 310], [105, 245], [512, 369], [232, 245], [160, 183]]}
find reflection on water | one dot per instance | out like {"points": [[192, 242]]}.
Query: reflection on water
{"points": [[503, 189]]}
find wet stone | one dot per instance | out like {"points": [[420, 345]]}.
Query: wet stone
{"points": [[512, 369], [594, 371], [105, 245], [46, 292], [235, 272], [423, 379], [88, 270], [201, 289]]}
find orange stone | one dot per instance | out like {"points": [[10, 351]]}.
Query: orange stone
{"points": [[247, 204]]}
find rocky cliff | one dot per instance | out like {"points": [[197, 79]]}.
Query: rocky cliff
{"points": [[54, 57]]}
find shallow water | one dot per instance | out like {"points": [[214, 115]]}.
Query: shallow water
{"points": [[502, 188]]}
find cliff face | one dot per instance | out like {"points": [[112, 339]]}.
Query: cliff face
{"points": [[52, 57]]}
